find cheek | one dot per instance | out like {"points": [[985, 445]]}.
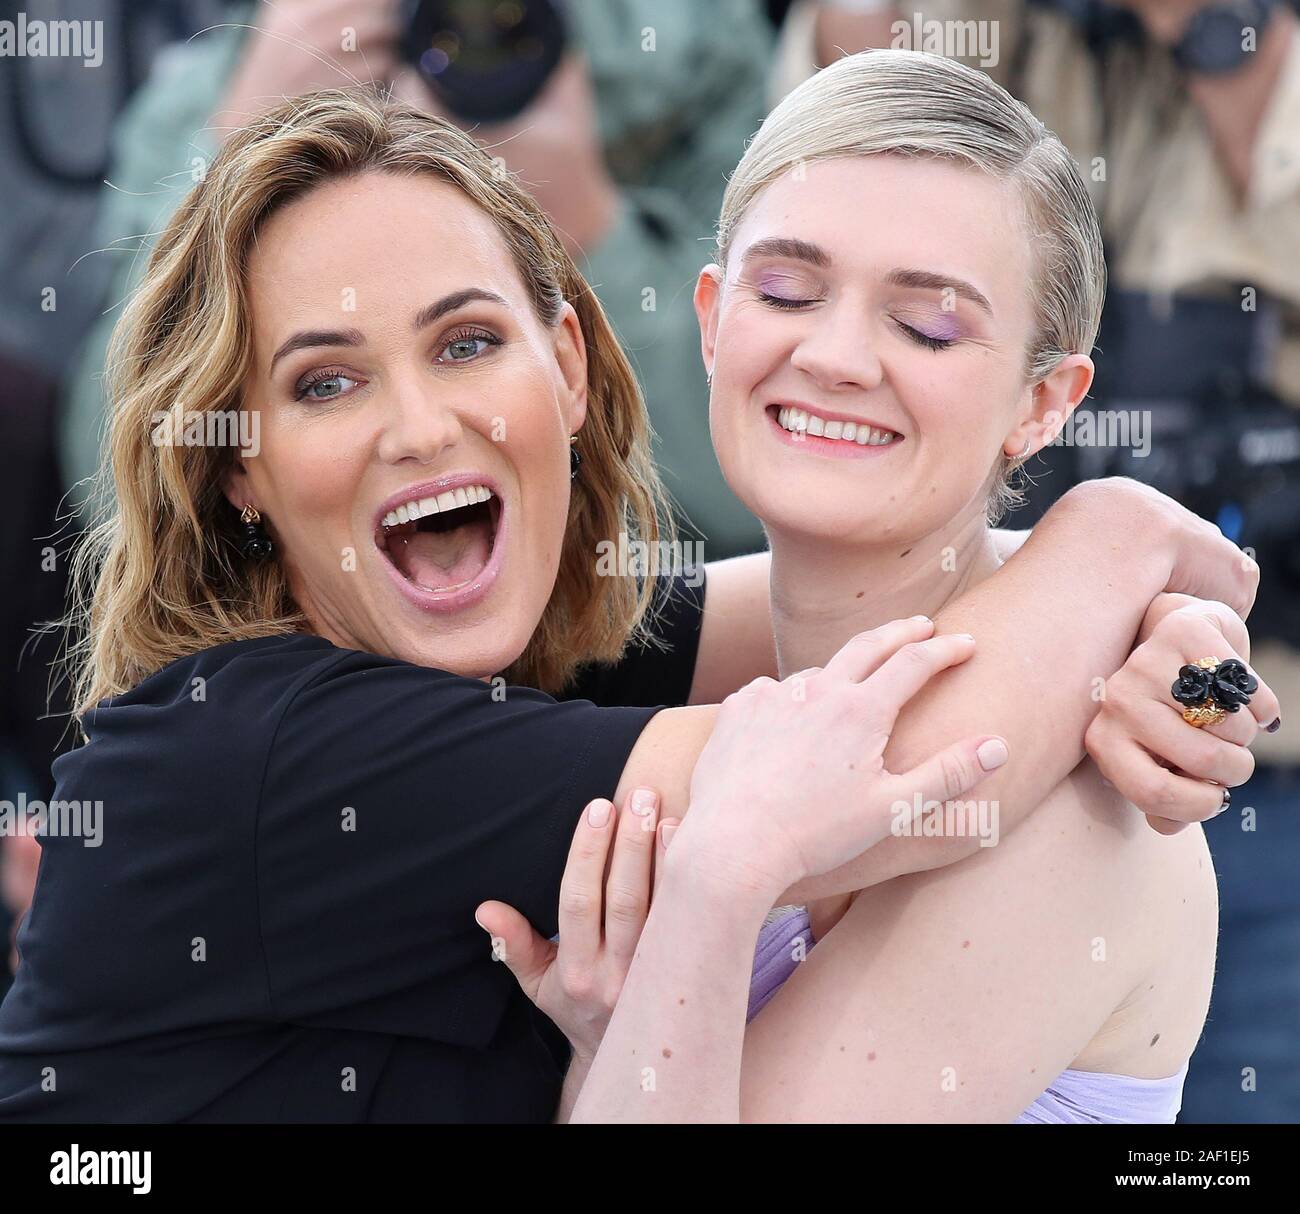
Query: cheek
{"points": [[307, 474]]}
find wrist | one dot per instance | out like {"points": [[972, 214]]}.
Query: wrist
{"points": [[714, 882]]}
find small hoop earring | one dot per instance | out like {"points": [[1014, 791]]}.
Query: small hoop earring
{"points": [[575, 458], [256, 545]]}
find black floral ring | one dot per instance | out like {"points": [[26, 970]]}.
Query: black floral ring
{"points": [[1228, 684]]}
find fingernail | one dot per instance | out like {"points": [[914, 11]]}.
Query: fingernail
{"points": [[1227, 801], [1273, 728], [598, 813], [921, 619], [643, 801], [479, 921], [669, 829], [992, 754], [965, 636]]}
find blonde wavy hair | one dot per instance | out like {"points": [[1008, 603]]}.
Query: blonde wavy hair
{"points": [[909, 103], [159, 575]]}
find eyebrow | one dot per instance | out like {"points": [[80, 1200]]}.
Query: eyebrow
{"points": [[785, 246], [311, 338], [926, 281]]}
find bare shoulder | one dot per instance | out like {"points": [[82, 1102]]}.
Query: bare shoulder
{"points": [[1147, 904]]}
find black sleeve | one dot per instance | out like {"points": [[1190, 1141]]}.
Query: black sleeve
{"points": [[395, 800], [652, 674]]}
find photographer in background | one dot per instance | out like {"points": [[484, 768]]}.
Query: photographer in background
{"points": [[621, 116], [1185, 117]]}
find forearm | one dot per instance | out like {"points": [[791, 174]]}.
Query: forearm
{"points": [[1050, 626], [673, 1047], [574, 1078]]}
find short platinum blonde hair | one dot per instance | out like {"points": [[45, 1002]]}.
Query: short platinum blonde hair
{"points": [[908, 103]]}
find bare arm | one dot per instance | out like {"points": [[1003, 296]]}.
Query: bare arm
{"points": [[1059, 617]]}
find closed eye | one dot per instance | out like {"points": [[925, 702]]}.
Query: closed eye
{"points": [[924, 339], [778, 301]]}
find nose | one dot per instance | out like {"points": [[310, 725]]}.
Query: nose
{"points": [[418, 426], [837, 351]]}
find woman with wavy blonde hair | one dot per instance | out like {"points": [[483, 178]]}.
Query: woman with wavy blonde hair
{"points": [[371, 438]]}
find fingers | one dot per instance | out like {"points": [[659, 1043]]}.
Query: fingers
{"points": [[1239, 728], [1156, 791], [627, 890], [582, 889], [953, 771], [864, 653], [909, 669], [665, 836], [1194, 752], [527, 955]]}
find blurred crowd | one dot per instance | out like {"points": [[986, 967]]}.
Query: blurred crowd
{"points": [[624, 117]]}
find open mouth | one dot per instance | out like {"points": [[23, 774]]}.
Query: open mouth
{"points": [[442, 543]]}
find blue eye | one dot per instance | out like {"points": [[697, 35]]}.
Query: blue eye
{"points": [[464, 347], [323, 386], [467, 345]]}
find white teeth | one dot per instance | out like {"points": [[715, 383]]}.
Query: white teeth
{"points": [[798, 420], [453, 499]]}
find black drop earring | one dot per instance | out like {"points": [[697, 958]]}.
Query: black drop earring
{"points": [[256, 545], [575, 460]]}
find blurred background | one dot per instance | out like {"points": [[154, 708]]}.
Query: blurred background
{"points": [[624, 117]]}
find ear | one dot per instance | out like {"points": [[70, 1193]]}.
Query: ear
{"points": [[234, 484], [708, 300], [1052, 400], [571, 357]]}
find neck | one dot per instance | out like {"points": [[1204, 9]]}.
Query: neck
{"points": [[825, 591]]}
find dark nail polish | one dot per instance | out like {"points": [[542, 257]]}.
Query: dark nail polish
{"points": [[1275, 726], [1227, 801]]}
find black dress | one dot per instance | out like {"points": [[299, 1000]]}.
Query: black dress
{"points": [[276, 921]]}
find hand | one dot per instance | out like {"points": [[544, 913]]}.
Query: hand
{"points": [[553, 147], [577, 982], [1171, 771], [1200, 561], [792, 781]]}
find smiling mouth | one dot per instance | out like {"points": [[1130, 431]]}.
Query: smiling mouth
{"points": [[442, 543], [803, 421]]}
